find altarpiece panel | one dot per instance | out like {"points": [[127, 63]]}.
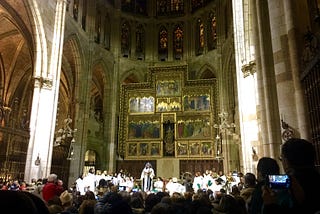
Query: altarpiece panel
{"points": [[168, 116]]}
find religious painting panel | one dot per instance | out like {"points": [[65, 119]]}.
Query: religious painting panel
{"points": [[155, 149], [196, 102], [182, 149], [168, 88], [143, 149], [195, 149], [207, 149], [143, 127], [196, 99], [141, 103], [168, 104], [194, 127], [132, 150]]}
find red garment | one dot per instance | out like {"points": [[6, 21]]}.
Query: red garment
{"points": [[50, 190]]}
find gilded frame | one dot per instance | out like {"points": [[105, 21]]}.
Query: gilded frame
{"points": [[142, 149]]}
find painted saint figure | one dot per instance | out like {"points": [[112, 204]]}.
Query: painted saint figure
{"points": [[147, 175]]}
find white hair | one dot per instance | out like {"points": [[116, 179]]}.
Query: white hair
{"points": [[52, 177]]}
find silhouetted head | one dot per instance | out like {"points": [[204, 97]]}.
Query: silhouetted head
{"points": [[298, 153]]}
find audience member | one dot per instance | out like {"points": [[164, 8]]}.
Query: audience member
{"points": [[298, 161], [50, 189], [87, 206], [248, 187], [21, 202], [66, 199], [112, 203], [266, 166]]}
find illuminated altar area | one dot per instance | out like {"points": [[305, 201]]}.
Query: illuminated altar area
{"points": [[169, 119]]}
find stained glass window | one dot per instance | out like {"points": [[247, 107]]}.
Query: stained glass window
{"points": [[140, 38], [178, 42], [212, 32], [163, 44], [125, 39], [170, 7], [200, 37], [134, 6]]}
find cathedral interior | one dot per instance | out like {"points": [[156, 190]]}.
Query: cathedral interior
{"points": [[186, 85]]}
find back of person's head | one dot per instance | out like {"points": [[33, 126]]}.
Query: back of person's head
{"points": [[89, 195], [228, 204], [52, 178], [66, 198], [267, 166], [298, 152], [112, 203], [249, 180], [162, 208], [54, 208], [38, 202], [136, 202], [151, 200], [17, 202], [87, 207]]}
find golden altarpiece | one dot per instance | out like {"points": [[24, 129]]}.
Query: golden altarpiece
{"points": [[169, 116]]}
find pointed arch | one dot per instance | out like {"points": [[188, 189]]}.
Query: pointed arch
{"points": [[132, 76], [70, 74], [207, 72]]}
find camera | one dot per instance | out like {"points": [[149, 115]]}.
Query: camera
{"points": [[278, 181]]}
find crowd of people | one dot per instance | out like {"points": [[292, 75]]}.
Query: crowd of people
{"points": [[207, 192]]}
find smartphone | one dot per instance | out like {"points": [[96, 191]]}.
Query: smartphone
{"points": [[278, 181]]}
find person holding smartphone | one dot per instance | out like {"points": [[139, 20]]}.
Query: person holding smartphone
{"points": [[266, 166], [298, 161]]}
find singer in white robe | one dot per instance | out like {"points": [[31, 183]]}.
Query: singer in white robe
{"points": [[147, 175]]}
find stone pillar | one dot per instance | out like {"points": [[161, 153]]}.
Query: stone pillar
{"points": [[295, 117], [269, 110], [45, 95]]}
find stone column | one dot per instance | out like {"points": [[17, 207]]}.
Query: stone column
{"points": [[295, 117], [269, 110], [45, 95]]}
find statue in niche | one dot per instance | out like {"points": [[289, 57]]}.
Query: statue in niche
{"points": [[168, 138]]}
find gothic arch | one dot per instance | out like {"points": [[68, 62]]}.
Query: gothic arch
{"points": [[71, 72], [206, 72], [132, 76]]}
